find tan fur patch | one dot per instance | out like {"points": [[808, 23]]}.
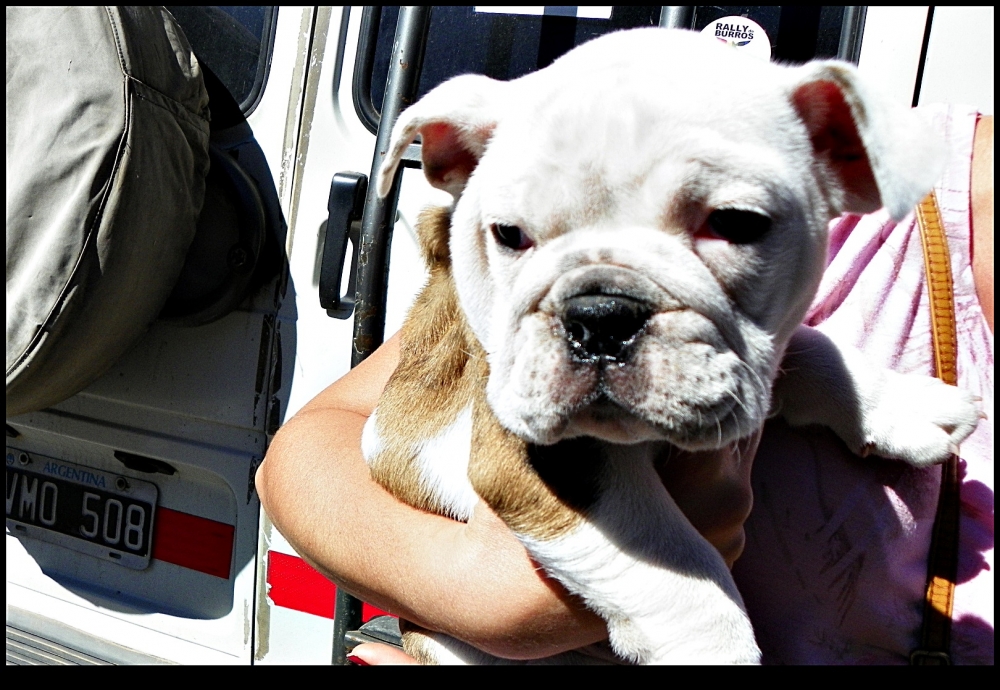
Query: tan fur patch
{"points": [[504, 472], [416, 643], [443, 369], [431, 385]]}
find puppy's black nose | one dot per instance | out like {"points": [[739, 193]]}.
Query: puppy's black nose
{"points": [[603, 326]]}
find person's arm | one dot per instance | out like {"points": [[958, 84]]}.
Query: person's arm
{"points": [[473, 581]]}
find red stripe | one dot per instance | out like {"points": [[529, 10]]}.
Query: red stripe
{"points": [[294, 584], [193, 542]]}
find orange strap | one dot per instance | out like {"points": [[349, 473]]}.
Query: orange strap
{"points": [[942, 563], [937, 262]]}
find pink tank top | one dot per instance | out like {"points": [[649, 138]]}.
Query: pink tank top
{"points": [[836, 553]]}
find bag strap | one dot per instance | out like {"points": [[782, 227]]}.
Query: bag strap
{"points": [[942, 563]]}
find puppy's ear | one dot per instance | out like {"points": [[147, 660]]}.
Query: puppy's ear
{"points": [[455, 122], [879, 154]]}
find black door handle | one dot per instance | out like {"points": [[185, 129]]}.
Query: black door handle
{"points": [[344, 210]]}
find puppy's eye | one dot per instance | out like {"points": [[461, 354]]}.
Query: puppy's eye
{"points": [[511, 236], [738, 227]]}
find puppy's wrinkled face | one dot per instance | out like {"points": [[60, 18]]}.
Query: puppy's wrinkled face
{"points": [[640, 227], [634, 258]]}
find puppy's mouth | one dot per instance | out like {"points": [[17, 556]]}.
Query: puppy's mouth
{"points": [[607, 420], [617, 419]]}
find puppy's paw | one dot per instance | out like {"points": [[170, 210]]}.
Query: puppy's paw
{"points": [[917, 419]]}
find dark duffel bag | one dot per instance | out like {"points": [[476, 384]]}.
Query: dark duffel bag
{"points": [[107, 153]]}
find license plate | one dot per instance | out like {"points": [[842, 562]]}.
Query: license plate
{"points": [[98, 513]]}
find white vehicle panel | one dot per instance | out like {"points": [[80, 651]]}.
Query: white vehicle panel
{"points": [[890, 50], [959, 66]]}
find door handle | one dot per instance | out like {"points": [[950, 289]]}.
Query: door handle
{"points": [[344, 210]]}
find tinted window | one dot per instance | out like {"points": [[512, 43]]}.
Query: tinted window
{"points": [[506, 46], [503, 46], [235, 43]]}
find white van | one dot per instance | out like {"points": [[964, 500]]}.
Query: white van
{"points": [[169, 558]]}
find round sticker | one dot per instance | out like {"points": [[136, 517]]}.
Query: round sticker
{"points": [[741, 33]]}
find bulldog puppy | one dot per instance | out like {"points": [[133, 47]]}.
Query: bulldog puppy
{"points": [[637, 233]]}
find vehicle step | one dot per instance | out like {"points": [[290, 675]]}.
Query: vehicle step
{"points": [[38, 640], [27, 649]]}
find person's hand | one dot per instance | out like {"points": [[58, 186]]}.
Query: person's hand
{"points": [[373, 654]]}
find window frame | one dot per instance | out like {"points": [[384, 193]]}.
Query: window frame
{"points": [[250, 103]]}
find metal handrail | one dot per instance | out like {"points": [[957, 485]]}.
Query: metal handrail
{"points": [[851, 31], [376, 235], [676, 17]]}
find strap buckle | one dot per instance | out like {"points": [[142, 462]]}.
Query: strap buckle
{"points": [[927, 657]]}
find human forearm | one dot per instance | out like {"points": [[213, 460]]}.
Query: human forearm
{"points": [[473, 581]]}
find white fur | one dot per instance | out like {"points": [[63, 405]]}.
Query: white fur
{"points": [[700, 363], [371, 444], [665, 592], [594, 165], [443, 463], [914, 418]]}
